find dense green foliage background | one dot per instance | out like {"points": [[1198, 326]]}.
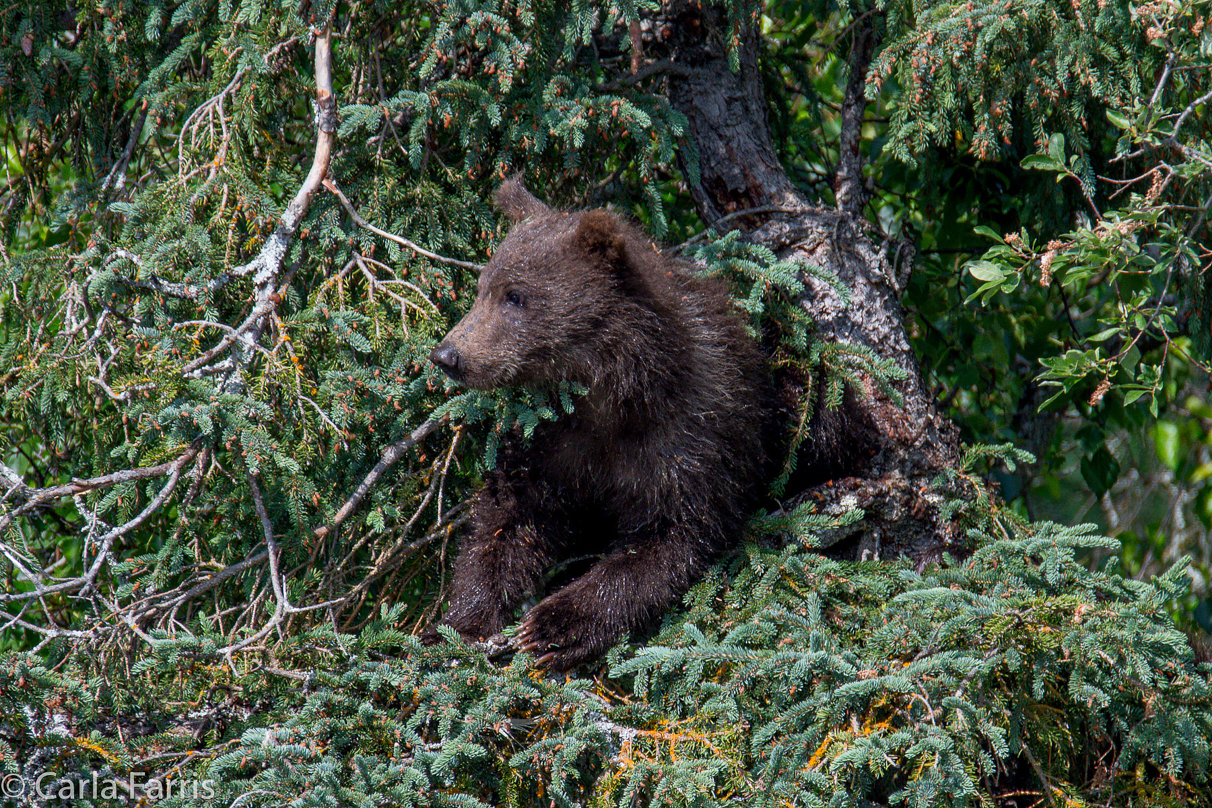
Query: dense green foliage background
{"points": [[1043, 167]]}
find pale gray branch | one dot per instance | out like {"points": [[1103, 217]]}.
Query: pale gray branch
{"points": [[389, 458], [358, 220]]}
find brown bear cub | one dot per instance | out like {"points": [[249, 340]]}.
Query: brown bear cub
{"points": [[658, 468]]}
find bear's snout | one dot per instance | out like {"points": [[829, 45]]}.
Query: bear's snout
{"points": [[447, 358]]}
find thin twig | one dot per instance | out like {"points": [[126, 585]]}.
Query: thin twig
{"points": [[116, 178], [105, 542], [387, 459], [736, 214], [454, 518], [358, 220]]}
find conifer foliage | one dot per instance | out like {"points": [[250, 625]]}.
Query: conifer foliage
{"points": [[233, 231]]}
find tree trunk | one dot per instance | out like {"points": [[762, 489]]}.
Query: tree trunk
{"points": [[738, 170]]}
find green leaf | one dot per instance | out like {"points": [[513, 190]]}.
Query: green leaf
{"points": [[986, 271], [1042, 162], [1168, 444], [1118, 120], [1105, 335], [1056, 147]]}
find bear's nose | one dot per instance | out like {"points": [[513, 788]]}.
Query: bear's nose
{"points": [[447, 358]]}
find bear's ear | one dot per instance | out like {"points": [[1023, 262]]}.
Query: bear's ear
{"points": [[516, 202], [598, 234]]}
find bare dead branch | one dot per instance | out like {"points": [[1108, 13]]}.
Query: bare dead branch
{"points": [[358, 220], [215, 580], [104, 542], [389, 458], [271, 544], [449, 521], [266, 267], [1186, 113], [35, 497]]}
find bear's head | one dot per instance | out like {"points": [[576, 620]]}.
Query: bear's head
{"points": [[562, 295]]}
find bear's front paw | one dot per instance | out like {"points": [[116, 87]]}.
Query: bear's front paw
{"points": [[563, 633], [494, 647], [476, 620]]}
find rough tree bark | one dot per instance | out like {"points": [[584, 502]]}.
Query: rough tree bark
{"points": [[739, 170]]}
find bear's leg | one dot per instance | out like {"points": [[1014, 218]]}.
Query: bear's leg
{"points": [[502, 561], [624, 591]]}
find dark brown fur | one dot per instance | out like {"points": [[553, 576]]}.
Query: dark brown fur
{"points": [[662, 462]]}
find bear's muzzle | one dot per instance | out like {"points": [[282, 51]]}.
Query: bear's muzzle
{"points": [[447, 358]]}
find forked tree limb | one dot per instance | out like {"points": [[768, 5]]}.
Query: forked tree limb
{"points": [[267, 271], [104, 542], [266, 268], [32, 498]]}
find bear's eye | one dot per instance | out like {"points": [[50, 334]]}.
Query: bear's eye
{"points": [[514, 298]]}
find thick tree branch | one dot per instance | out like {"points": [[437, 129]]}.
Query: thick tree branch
{"points": [[739, 169], [267, 266], [849, 190]]}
